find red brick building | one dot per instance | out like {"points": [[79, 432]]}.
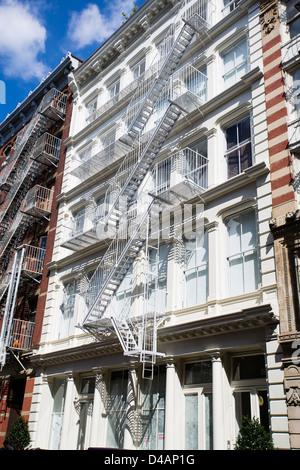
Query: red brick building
{"points": [[281, 46], [32, 156]]}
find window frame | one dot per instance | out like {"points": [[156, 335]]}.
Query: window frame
{"points": [[196, 269], [241, 254], [114, 88], [67, 320], [227, 51], [240, 144], [137, 68], [202, 390]]}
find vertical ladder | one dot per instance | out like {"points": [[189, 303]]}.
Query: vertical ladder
{"points": [[10, 304]]}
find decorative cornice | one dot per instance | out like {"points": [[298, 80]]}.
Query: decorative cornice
{"points": [[261, 316]]}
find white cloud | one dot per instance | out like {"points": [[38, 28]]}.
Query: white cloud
{"points": [[92, 25], [22, 39]]}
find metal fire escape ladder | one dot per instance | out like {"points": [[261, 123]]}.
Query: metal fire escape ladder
{"points": [[117, 250], [123, 251], [112, 270], [18, 171], [170, 64], [10, 304], [19, 174]]}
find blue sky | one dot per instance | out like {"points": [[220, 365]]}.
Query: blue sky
{"points": [[36, 34]]}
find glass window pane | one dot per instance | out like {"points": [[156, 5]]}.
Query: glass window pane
{"points": [[240, 53], [153, 410], [208, 422], [236, 276], [245, 157], [248, 230], [242, 407], [233, 162], [231, 137], [198, 373], [249, 367], [250, 273], [117, 409], [234, 234], [191, 422], [244, 131]]}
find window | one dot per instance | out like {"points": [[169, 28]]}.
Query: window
{"points": [[153, 410], [85, 404], [235, 63], [293, 17], [249, 389], [67, 308], [157, 284], [92, 106], [198, 425], [242, 253], [124, 294], [297, 275], [57, 413], [114, 89], [78, 222], [139, 69], [86, 153], [117, 409], [230, 5], [196, 269], [238, 147], [295, 98]]}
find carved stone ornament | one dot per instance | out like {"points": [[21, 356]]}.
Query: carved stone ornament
{"points": [[293, 396], [269, 15]]}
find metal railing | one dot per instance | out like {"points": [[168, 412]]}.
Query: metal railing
{"points": [[189, 79], [48, 147], [186, 164], [202, 8], [140, 85], [38, 199], [54, 99], [33, 259], [21, 334]]}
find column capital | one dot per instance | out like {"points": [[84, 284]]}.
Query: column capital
{"points": [[215, 354]]}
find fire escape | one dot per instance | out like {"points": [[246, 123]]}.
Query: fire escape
{"points": [[138, 335], [25, 204]]}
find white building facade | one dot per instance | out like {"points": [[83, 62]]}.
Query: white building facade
{"points": [[161, 319]]}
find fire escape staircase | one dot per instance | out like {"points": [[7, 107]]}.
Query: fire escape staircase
{"points": [[26, 262], [19, 175], [122, 252]]}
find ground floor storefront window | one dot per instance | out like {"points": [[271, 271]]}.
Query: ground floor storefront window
{"points": [[198, 426]]}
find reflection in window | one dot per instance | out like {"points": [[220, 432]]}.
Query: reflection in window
{"points": [[157, 283], [117, 409], [196, 269], [198, 373], [248, 367], [67, 308], [57, 413], [293, 17], [238, 145], [153, 410]]}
